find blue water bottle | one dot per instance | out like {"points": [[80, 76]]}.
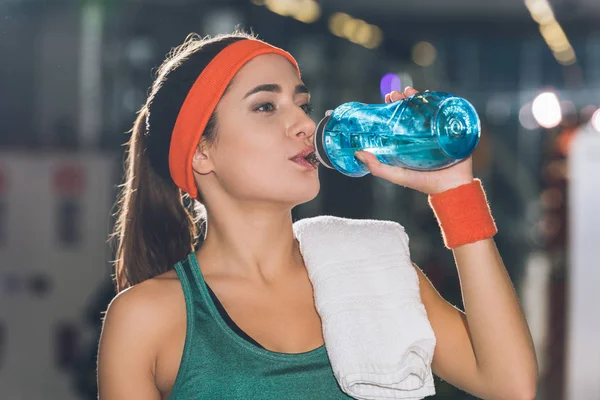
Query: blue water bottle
{"points": [[427, 131]]}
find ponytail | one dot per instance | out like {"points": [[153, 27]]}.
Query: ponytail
{"points": [[154, 229]]}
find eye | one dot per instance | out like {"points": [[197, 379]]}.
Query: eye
{"points": [[308, 108], [265, 107]]}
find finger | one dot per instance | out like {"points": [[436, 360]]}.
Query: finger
{"points": [[410, 91], [387, 98], [396, 96], [376, 167], [397, 175], [367, 158]]}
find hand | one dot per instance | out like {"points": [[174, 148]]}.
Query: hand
{"points": [[429, 182]]}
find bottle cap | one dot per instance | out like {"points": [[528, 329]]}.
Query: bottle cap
{"points": [[319, 137]]}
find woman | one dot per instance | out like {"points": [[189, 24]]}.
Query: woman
{"points": [[162, 337]]}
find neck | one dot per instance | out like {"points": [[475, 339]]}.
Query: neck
{"points": [[254, 243]]}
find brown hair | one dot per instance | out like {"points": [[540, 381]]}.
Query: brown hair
{"points": [[157, 224]]}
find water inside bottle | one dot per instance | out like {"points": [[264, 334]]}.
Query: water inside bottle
{"points": [[416, 152]]}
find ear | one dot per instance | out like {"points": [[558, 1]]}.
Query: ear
{"points": [[201, 162]]}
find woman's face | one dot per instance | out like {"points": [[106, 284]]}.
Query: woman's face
{"points": [[262, 123]]}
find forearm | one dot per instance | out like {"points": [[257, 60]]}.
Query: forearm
{"points": [[501, 339]]}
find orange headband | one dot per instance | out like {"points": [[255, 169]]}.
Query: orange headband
{"points": [[201, 102]]}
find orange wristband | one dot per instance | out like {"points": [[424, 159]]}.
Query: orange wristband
{"points": [[463, 214]]}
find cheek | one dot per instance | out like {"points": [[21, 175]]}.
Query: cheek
{"points": [[250, 147], [250, 158]]}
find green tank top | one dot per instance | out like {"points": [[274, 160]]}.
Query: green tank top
{"points": [[219, 364]]}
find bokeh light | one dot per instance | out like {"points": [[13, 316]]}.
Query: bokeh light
{"points": [[355, 30], [424, 54], [389, 82], [309, 12], [546, 110], [337, 22], [526, 117], [376, 37], [596, 120]]}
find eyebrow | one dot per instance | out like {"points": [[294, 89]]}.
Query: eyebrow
{"points": [[272, 87]]}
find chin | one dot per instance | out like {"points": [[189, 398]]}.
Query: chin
{"points": [[303, 193], [311, 197]]}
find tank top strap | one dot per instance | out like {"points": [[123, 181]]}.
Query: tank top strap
{"points": [[195, 296], [186, 276]]}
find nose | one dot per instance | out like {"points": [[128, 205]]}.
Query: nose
{"points": [[302, 127]]}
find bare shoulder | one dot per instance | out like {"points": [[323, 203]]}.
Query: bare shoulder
{"points": [[146, 303], [136, 325]]}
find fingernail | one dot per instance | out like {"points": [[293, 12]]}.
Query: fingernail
{"points": [[406, 88]]}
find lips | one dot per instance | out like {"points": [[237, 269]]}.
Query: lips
{"points": [[306, 158], [303, 154]]}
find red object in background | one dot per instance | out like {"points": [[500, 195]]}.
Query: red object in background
{"points": [[68, 180], [564, 140]]}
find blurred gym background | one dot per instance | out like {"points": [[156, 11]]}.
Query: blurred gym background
{"points": [[74, 72]]}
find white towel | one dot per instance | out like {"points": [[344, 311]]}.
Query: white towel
{"points": [[377, 335]]}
